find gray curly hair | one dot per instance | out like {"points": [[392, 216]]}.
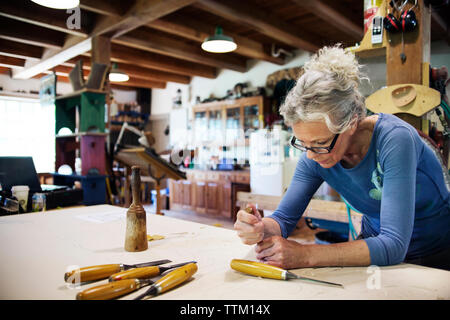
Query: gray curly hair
{"points": [[327, 91]]}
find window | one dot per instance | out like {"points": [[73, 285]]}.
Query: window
{"points": [[28, 129]]}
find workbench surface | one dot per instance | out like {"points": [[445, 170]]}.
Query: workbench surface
{"points": [[37, 249]]}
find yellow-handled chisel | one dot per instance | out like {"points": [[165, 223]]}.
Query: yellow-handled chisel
{"points": [[170, 280], [145, 272], [264, 270], [115, 289], [104, 271]]}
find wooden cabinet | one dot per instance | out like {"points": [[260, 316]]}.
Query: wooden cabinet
{"points": [[206, 192], [227, 120]]}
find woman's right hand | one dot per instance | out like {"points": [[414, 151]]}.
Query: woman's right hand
{"points": [[249, 226]]}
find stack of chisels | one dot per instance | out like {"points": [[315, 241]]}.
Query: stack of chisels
{"points": [[124, 279]]}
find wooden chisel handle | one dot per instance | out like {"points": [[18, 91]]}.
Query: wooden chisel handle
{"points": [[175, 277], [258, 269], [137, 273], [110, 290], [92, 273]]}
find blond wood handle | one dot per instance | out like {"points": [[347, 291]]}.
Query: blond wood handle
{"points": [[175, 277], [91, 273], [109, 291], [137, 273], [258, 269]]}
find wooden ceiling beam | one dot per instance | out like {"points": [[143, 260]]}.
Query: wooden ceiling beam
{"points": [[155, 61], [11, 62], [132, 82], [245, 46], [137, 71], [104, 7], [145, 39], [30, 34], [333, 17], [5, 70], [260, 20], [32, 13], [140, 83], [20, 50], [440, 26], [141, 13], [73, 47]]}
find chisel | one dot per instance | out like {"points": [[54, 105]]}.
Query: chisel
{"points": [[145, 272], [119, 288], [259, 269], [104, 271], [170, 280]]}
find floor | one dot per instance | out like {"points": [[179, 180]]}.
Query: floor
{"points": [[302, 233]]}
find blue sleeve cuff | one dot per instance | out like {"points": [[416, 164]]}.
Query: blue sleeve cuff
{"points": [[379, 254], [284, 232]]}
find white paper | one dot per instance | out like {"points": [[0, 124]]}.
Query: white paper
{"points": [[102, 217]]}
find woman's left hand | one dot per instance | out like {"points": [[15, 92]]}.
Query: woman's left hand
{"points": [[282, 253]]}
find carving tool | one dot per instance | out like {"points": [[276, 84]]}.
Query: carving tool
{"points": [[104, 271], [115, 289], [145, 272], [259, 269], [170, 280]]}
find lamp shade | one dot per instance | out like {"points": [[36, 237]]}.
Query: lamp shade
{"points": [[58, 4], [219, 43], [116, 75]]}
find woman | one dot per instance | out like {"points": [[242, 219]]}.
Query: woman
{"points": [[379, 164]]}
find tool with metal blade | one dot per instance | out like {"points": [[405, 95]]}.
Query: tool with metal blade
{"points": [[104, 271], [259, 269], [170, 280], [145, 272]]}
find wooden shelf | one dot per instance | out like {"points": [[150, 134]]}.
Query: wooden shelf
{"points": [[76, 93]]}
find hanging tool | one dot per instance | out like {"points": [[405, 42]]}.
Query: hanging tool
{"points": [[115, 289], [171, 280], [267, 271], [145, 272], [104, 271]]}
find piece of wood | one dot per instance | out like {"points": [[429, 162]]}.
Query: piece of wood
{"points": [[136, 230], [319, 209], [416, 49], [77, 236], [385, 100]]}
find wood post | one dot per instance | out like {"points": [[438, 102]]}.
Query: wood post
{"points": [[417, 50]]}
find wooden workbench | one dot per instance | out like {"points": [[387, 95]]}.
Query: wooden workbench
{"points": [[37, 249]]}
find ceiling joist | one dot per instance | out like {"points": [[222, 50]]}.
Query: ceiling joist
{"points": [[260, 20]]}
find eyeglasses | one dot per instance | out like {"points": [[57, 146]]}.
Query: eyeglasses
{"points": [[297, 145]]}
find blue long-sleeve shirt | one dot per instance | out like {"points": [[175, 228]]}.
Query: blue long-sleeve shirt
{"points": [[398, 186]]}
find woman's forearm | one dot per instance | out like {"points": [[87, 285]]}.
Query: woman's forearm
{"points": [[353, 253]]}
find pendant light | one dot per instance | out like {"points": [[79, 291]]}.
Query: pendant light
{"points": [[58, 4], [219, 43], [116, 75]]}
